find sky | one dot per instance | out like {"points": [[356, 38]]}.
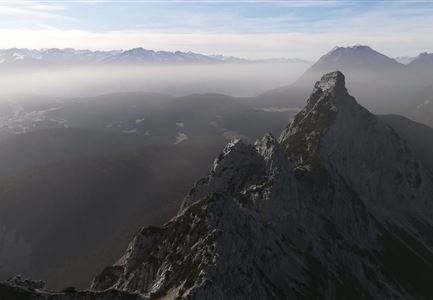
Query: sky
{"points": [[245, 28]]}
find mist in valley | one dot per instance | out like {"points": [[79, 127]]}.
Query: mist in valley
{"points": [[241, 79]]}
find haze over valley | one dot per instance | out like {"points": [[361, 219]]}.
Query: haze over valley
{"points": [[127, 137], [76, 73]]}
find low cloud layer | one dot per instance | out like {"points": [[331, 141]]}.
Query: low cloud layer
{"points": [[232, 79]]}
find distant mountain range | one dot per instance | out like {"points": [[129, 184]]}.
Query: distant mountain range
{"points": [[392, 87], [55, 56]]}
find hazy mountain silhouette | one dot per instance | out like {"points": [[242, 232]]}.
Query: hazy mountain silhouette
{"points": [[380, 83]]}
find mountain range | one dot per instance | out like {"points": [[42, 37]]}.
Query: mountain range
{"points": [[69, 56], [338, 207], [132, 145], [394, 87]]}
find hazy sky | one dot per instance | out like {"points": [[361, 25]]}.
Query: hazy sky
{"points": [[252, 29]]}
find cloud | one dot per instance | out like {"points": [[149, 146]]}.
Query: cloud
{"points": [[20, 14], [303, 29]]}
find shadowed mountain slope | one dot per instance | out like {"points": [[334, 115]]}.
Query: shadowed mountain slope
{"points": [[418, 136]]}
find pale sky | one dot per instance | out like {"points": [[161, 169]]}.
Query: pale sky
{"points": [[251, 29]]}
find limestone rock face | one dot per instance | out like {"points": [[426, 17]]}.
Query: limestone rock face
{"points": [[347, 141]]}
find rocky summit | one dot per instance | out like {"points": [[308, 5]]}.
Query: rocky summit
{"points": [[336, 208]]}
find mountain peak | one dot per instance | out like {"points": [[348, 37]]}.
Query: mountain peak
{"points": [[331, 92], [329, 132], [353, 58], [425, 55], [352, 48], [422, 61], [331, 81], [329, 98]]}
